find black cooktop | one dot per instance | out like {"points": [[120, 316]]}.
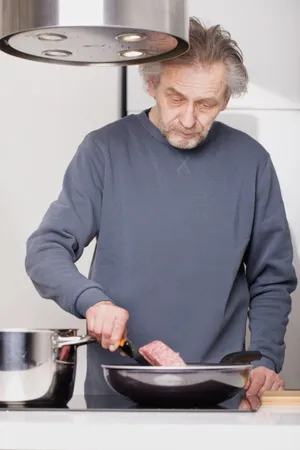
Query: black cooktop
{"points": [[117, 403]]}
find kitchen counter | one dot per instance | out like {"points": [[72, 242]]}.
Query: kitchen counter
{"points": [[272, 427]]}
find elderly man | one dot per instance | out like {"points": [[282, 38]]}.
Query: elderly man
{"points": [[190, 227]]}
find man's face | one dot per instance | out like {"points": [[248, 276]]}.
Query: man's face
{"points": [[188, 99]]}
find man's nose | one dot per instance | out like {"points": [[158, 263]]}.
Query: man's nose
{"points": [[188, 118]]}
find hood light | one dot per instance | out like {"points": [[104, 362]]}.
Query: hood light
{"points": [[132, 53], [53, 37], [130, 37], [57, 53]]}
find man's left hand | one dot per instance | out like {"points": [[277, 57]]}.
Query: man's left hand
{"points": [[262, 379]]}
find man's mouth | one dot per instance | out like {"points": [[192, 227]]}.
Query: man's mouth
{"points": [[187, 135]]}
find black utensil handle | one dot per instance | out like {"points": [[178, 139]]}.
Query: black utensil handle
{"points": [[127, 347], [132, 351], [241, 357]]}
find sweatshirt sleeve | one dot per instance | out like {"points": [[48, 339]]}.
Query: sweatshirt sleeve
{"points": [[69, 225], [270, 272]]}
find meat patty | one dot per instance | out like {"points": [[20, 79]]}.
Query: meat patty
{"points": [[159, 354]]}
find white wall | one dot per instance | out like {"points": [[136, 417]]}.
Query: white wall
{"points": [[45, 112], [268, 33]]}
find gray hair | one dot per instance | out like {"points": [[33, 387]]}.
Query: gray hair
{"points": [[207, 46]]}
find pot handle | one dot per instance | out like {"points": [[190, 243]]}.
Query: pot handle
{"points": [[62, 341]]}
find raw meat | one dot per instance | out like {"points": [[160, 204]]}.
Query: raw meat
{"points": [[159, 354]]}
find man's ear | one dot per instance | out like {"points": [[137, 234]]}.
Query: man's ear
{"points": [[151, 87], [225, 103]]}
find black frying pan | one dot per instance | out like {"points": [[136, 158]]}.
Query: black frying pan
{"points": [[182, 387]]}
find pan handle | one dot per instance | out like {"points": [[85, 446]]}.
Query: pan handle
{"points": [[62, 341], [241, 357]]}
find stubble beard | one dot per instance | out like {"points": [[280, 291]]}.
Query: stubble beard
{"points": [[175, 137]]}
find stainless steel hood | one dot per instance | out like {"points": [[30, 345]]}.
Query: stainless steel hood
{"points": [[102, 32]]}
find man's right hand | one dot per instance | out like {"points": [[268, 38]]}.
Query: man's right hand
{"points": [[108, 323]]}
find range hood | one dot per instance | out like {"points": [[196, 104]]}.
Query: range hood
{"points": [[102, 32]]}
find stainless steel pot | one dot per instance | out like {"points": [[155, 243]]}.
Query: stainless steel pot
{"points": [[38, 366], [182, 387]]}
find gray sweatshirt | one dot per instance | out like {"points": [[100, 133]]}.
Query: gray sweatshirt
{"points": [[188, 241]]}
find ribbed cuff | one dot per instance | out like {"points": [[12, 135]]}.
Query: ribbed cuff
{"points": [[265, 362], [89, 298]]}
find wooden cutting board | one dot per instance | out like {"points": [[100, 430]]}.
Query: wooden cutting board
{"points": [[288, 397]]}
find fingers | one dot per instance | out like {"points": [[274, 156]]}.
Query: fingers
{"points": [[97, 325], [278, 386], [257, 381], [119, 328], [245, 405], [254, 402], [90, 324], [273, 383], [248, 384], [263, 379], [269, 381], [108, 323], [107, 328], [251, 403]]}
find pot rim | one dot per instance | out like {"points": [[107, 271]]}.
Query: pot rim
{"points": [[36, 330]]}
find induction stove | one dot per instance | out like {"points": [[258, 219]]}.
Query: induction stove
{"points": [[118, 403]]}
